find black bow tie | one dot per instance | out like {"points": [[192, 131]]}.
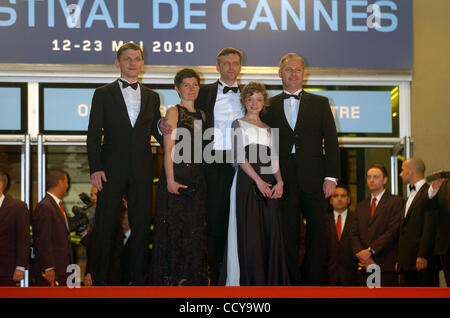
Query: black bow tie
{"points": [[412, 187], [287, 96], [234, 89], [126, 84]]}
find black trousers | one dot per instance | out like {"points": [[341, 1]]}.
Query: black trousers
{"points": [[139, 199], [425, 278], [313, 206], [219, 178]]}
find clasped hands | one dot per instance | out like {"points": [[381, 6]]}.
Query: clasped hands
{"points": [[365, 257]]}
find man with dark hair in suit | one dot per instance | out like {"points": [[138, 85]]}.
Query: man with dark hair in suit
{"points": [[309, 162], [14, 237], [341, 262], [220, 102], [51, 232], [125, 113], [416, 264], [376, 226]]}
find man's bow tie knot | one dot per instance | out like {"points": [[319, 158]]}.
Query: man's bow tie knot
{"points": [[234, 89], [125, 84], [287, 96], [412, 188]]}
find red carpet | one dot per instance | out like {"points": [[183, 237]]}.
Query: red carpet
{"points": [[223, 292]]}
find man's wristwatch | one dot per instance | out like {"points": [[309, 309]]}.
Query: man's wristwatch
{"points": [[371, 251]]}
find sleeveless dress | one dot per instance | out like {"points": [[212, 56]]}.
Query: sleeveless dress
{"points": [[255, 252], [179, 241]]}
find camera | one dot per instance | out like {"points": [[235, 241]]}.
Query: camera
{"points": [[83, 215]]}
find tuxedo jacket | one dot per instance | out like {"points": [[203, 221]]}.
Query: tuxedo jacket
{"points": [[51, 238], [314, 124], [441, 211], [125, 151], [341, 262], [379, 232], [417, 231], [14, 236]]}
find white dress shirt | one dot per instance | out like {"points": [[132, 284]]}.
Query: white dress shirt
{"points": [[132, 98], [378, 197], [413, 193], [226, 109], [343, 219]]}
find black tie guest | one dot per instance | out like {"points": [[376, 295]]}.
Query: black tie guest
{"points": [[14, 237], [416, 263], [51, 234], [309, 161], [341, 263], [125, 113], [221, 104]]}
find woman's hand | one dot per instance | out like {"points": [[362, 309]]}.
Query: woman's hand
{"points": [[173, 186], [265, 188], [277, 190]]}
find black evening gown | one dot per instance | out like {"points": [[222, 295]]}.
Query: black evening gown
{"points": [[179, 241], [258, 234]]}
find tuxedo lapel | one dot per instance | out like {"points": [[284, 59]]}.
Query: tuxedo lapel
{"points": [[144, 102], [118, 97], [413, 203], [279, 104], [304, 102]]}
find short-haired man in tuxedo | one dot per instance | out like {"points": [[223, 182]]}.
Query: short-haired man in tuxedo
{"points": [[51, 234], [15, 237], [376, 226], [124, 116], [309, 163], [416, 264], [341, 262], [221, 104]]}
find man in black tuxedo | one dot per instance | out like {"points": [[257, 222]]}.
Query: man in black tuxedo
{"points": [[309, 162], [126, 114], [220, 102], [416, 263]]}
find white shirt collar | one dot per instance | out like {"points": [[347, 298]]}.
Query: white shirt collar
{"points": [[2, 198], [343, 214], [223, 84], [419, 184], [378, 196], [57, 200], [294, 93]]}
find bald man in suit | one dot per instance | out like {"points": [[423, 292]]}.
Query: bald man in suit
{"points": [[14, 237], [417, 265]]}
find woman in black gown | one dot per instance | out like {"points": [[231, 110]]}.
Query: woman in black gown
{"points": [[255, 249], [178, 250]]}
